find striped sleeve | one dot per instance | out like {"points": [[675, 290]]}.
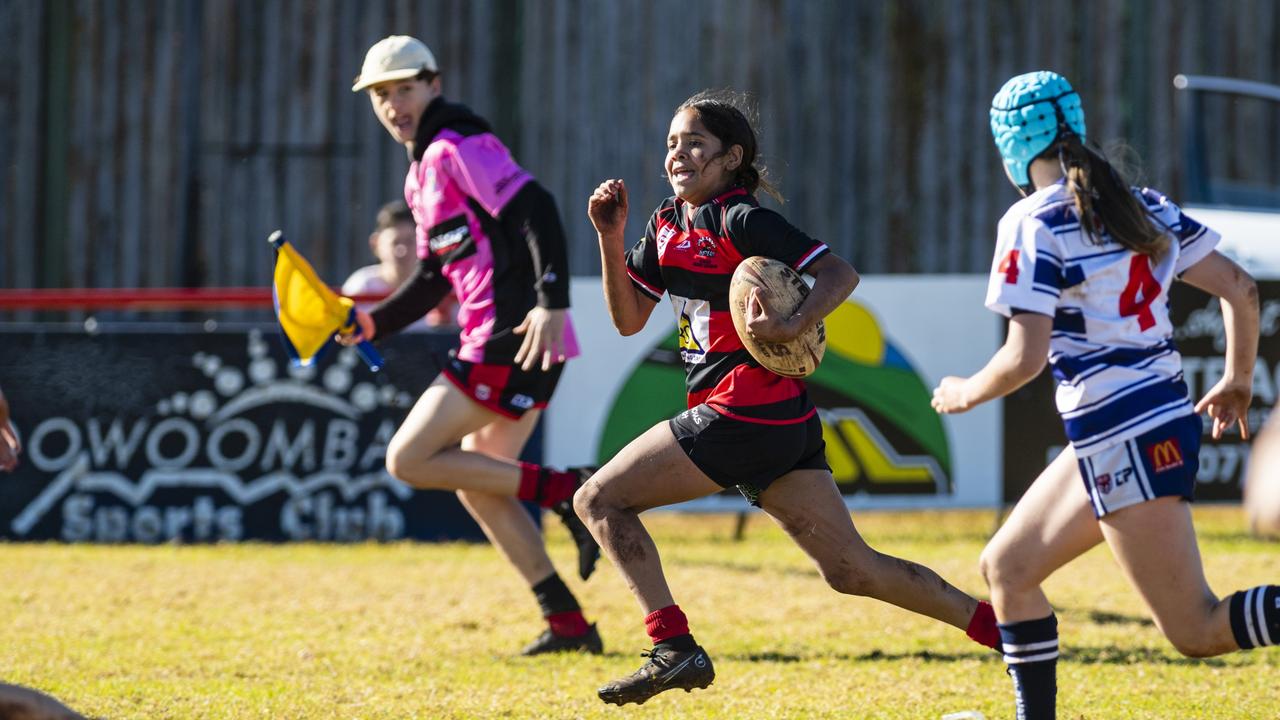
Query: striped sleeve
{"points": [[1195, 241], [1027, 270], [760, 231], [642, 264]]}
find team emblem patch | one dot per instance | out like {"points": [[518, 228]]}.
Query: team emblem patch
{"points": [[483, 392], [1103, 482], [1165, 455]]}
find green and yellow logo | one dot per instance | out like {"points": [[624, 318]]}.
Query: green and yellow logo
{"points": [[882, 436]]}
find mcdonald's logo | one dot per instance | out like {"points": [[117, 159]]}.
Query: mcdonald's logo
{"points": [[1165, 455]]}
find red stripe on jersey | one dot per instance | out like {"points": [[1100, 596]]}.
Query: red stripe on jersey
{"points": [[655, 292], [724, 336], [810, 256], [754, 385], [760, 421]]}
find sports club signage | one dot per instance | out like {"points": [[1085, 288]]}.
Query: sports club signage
{"points": [[1033, 433], [160, 434], [885, 444]]}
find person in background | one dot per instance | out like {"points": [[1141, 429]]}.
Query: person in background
{"points": [[488, 231], [1262, 479], [392, 242], [9, 445]]}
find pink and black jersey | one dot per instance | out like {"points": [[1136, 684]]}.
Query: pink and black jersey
{"points": [[485, 226], [690, 253]]}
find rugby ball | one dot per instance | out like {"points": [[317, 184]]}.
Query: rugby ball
{"points": [[781, 292]]}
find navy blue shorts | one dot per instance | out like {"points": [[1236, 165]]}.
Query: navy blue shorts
{"points": [[1158, 463], [747, 455]]}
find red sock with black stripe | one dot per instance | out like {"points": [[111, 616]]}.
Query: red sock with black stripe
{"points": [[545, 486]]}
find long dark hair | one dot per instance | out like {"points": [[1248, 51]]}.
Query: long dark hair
{"points": [[1104, 201], [729, 117]]}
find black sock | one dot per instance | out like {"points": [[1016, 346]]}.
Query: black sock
{"points": [[1255, 617], [554, 596], [1031, 651], [683, 643]]}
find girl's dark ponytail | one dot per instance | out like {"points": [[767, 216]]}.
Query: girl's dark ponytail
{"points": [[1105, 203]]}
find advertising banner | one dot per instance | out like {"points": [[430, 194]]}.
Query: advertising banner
{"points": [[163, 433], [887, 347]]}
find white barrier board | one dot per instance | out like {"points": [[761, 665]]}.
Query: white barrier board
{"points": [[887, 348]]}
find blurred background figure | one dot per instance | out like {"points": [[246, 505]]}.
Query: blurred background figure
{"points": [[392, 242], [1262, 479], [9, 446]]}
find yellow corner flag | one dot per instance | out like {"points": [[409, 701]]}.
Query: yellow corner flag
{"points": [[310, 313]]}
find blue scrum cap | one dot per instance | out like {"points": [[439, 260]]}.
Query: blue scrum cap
{"points": [[1029, 114]]}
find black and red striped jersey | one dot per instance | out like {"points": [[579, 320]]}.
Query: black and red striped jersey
{"points": [[690, 253]]}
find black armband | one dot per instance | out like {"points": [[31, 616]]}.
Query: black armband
{"points": [[418, 295], [531, 214]]}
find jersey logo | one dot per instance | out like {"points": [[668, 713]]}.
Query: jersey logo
{"points": [[1165, 455], [1103, 482], [694, 337], [1009, 266], [706, 247], [664, 236], [684, 244]]}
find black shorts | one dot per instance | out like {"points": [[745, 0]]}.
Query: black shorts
{"points": [[505, 389], [748, 455]]}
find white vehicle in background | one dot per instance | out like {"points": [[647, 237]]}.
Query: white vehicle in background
{"points": [[1231, 171]]}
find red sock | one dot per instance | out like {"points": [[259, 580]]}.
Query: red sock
{"points": [[545, 486], [982, 626], [528, 490], [666, 623], [568, 624]]}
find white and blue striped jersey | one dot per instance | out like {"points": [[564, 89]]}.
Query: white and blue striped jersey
{"points": [[1112, 353]]}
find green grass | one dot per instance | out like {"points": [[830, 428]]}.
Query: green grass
{"points": [[431, 631]]}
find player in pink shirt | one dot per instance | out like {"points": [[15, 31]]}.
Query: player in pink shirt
{"points": [[488, 232]]}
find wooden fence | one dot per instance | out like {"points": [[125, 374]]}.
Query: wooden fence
{"points": [[158, 142]]}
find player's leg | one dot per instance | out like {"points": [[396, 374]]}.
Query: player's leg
{"points": [[1154, 540], [809, 507], [1155, 544], [651, 471], [425, 452], [1052, 524], [511, 529]]}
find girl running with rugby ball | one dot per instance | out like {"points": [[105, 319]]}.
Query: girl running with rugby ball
{"points": [[745, 427]]}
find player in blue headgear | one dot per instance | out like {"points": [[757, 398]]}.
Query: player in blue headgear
{"points": [[1082, 269], [1029, 114]]}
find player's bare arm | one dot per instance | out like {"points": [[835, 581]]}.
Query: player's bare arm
{"points": [[607, 209], [833, 281], [1227, 402], [1015, 364], [9, 446]]}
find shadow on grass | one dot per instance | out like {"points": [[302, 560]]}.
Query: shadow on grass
{"points": [[1103, 617], [1077, 655], [873, 656], [741, 567]]}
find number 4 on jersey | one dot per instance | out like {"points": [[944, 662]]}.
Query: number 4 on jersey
{"points": [[1142, 290]]}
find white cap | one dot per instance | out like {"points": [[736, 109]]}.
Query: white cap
{"points": [[397, 57]]}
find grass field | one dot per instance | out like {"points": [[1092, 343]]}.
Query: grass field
{"points": [[430, 631]]}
